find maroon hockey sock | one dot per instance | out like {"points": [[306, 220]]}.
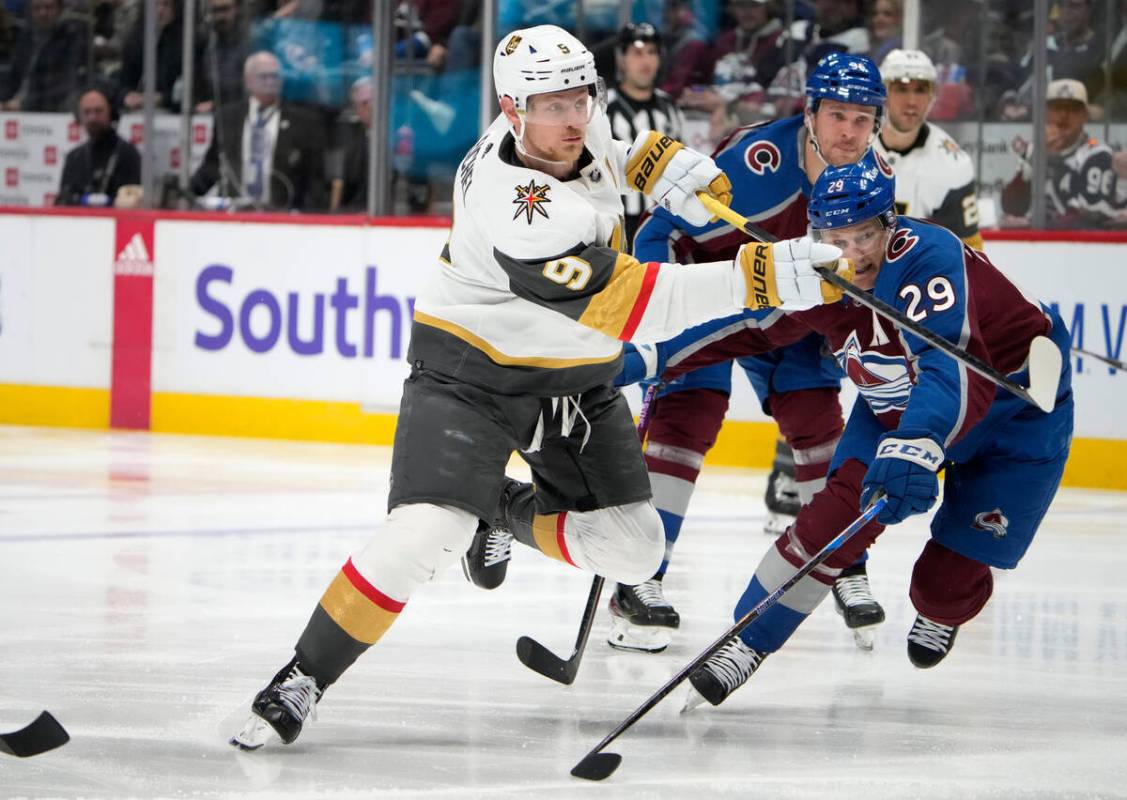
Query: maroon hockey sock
{"points": [[947, 587]]}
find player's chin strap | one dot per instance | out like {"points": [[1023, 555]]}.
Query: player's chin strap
{"points": [[1043, 363], [518, 139], [808, 122]]}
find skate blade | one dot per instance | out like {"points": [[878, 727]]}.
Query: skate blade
{"points": [[255, 734], [637, 638], [863, 637], [693, 699]]}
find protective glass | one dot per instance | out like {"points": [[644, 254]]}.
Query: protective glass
{"points": [[567, 107], [859, 242]]}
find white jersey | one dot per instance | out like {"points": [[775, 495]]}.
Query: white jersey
{"points": [[533, 295], [935, 181]]}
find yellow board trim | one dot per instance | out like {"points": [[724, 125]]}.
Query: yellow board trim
{"points": [[496, 355], [54, 406], [360, 618], [1094, 463]]}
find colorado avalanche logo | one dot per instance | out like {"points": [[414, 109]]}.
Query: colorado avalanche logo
{"points": [[882, 165], [763, 157], [994, 522], [901, 242], [882, 379]]}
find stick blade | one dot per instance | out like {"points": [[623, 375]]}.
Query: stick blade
{"points": [[44, 734], [540, 659], [1044, 372], [596, 766]]}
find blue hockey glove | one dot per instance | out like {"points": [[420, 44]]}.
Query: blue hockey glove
{"points": [[639, 363], [904, 469]]}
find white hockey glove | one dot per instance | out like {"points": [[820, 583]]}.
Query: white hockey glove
{"points": [[781, 275], [671, 174]]}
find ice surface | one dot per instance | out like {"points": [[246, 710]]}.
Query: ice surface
{"points": [[151, 584]]}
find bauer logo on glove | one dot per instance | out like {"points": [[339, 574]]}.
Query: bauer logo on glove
{"points": [[671, 174], [783, 275]]}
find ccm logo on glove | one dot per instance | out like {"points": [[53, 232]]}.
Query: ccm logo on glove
{"points": [[924, 452]]}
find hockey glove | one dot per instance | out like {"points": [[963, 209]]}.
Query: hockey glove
{"points": [[671, 175], [905, 470], [781, 275], [640, 362]]}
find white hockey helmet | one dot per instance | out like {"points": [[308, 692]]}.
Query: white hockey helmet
{"points": [[542, 59], [908, 65]]}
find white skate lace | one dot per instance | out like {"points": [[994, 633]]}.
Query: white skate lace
{"points": [[651, 594], [498, 547], [733, 664], [933, 635], [298, 695], [854, 590]]}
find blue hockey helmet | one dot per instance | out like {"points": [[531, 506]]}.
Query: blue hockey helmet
{"points": [[853, 193], [847, 78]]}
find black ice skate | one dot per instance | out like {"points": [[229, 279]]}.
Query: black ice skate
{"points": [[486, 562], [725, 671], [853, 599], [781, 499], [280, 709], [929, 642], [641, 618]]}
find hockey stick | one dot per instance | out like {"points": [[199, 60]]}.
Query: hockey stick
{"points": [[1115, 363], [44, 734], [539, 658], [1044, 357], [597, 765]]}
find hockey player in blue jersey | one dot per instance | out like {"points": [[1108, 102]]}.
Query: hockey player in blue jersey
{"points": [[772, 167], [918, 411]]}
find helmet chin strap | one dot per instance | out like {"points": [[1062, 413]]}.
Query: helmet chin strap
{"points": [[518, 139]]}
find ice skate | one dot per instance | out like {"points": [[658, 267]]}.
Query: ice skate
{"points": [[641, 618], [929, 642], [280, 710], [854, 601], [486, 562], [782, 501], [725, 671]]}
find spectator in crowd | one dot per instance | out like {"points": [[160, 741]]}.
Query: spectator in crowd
{"points": [[221, 51], [113, 20], [1074, 51], [689, 60], [170, 49], [49, 61], [264, 151], [97, 169], [424, 27], [838, 25], [464, 43], [9, 36], [352, 194], [1117, 56], [1081, 186], [886, 21], [636, 105], [748, 58]]}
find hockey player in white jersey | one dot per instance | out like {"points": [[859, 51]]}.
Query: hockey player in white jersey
{"points": [[934, 176], [514, 347]]}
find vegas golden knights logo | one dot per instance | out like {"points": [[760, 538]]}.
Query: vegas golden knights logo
{"points": [[511, 47]]}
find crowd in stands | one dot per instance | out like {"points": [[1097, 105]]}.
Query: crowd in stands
{"points": [[728, 61]]}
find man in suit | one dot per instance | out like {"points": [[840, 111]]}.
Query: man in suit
{"points": [[264, 151]]}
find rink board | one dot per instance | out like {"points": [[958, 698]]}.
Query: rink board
{"points": [[269, 327]]}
